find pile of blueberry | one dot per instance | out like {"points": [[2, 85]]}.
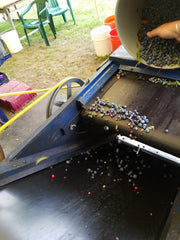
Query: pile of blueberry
{"points": [[158, 51], [134, 120]]}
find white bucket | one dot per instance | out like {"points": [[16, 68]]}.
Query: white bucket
{"points": [[128, 22], [12, 41], [101, 40]]}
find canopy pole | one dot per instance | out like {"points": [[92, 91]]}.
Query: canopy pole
{"points": [[97, 9]]}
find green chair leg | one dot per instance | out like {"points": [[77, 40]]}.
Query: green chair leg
{"points": [[71, 11], [43, 34], [51, 24], [27, 37], [64, 17], [72, 16]]}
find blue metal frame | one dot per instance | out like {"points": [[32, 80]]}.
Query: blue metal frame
{"points": [[173, 74], [3, 54], [3, 117], [54, 140]]}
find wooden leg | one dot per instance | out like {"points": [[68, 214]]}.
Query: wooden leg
{"points": [[2, 156]]}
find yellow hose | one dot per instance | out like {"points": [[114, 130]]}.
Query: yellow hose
{"points": [[31, 91], [13, 119], [23, 92]]}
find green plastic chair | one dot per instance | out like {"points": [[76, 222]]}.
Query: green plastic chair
{"points": [[55, 10], [43, 18]]}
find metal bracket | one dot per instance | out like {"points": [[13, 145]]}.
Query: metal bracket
{"points": [[164, 73], [139, 70], [148, 149]]}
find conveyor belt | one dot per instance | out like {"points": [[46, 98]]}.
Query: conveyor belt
{"points": [[75, 206], [159, 103]]}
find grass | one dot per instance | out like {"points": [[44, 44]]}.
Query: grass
{"points": [[70, 54], [85, 15]]}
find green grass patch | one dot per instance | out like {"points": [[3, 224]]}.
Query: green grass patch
{"points": [[71, 53]]}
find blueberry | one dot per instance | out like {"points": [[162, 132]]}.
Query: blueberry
{"points": [[147, 130], [112, 105], [147, 121], [158, 51], [106, 128], [142, 121]]}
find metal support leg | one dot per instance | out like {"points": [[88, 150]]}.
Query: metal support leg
{"points": [[9, 18], [3, 117], [17, 11]]}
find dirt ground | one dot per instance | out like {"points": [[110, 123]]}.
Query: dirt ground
{"points": [[77, 59], [70, 54]]}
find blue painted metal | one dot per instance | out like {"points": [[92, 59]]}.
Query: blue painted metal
{"points": [[3, 77], [3, 117], [54, 139], [173, 74], [13, 169], [3, 55], [107, 71], [50, 133]]}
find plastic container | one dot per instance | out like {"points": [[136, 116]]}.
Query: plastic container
{"points": [[110, 21], [12, 41], [115, 41], [101, 40], [128, 22]]}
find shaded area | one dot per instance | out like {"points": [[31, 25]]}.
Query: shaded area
{"points": [[107, 193]]}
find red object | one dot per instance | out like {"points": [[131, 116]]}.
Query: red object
{"points": [[110, 21], [52, 176], [115, 41], [135, 188], [15, 103]]}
